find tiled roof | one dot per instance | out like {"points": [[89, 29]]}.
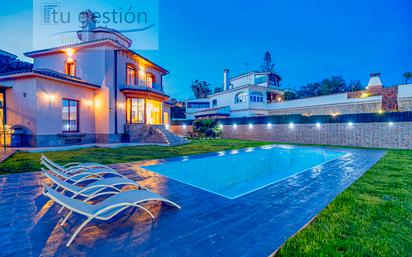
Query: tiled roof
{"points": [[144, 58], [48, 73], [29, 54]]}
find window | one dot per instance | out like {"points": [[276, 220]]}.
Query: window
{"points": [[70, 115], [70, 68], [135, 110], [153, 112], [256, 97], [198, 105], [130, 75], [214, 102], [149, 80], [240, 97]]}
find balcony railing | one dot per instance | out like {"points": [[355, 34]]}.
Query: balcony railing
{"points": [[156, 88]]}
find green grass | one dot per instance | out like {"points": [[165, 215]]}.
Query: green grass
{"points": [[371, 218], [25, 162]]}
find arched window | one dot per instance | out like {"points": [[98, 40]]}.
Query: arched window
{"points": [[130, 75], [240, 97], [256, 97], [150, 79], [70, 67]]}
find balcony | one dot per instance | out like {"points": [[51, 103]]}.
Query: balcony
{"points": [[157, 88], [142, 91]]}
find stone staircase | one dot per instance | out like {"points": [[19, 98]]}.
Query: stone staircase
{"points": [[152, 134], [171, 137]]}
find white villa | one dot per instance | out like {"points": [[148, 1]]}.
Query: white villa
{"points": [[256, 94], [97, 90]]}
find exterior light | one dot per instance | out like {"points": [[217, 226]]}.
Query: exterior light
{"points": [[364, 95], [334, 114], [291, 125], [167, 126], [390, 123], [184, 126], [221, 153], [70, 60], [69, 52], [381, 111], [350, 124], [120, 105], [221, 126], [269, 125], [89, 103], [235, 126], [250, 125], [50, 97], [318, 125]]}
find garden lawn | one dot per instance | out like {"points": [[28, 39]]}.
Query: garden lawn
{"points": [[25, 162], [373, 217]]}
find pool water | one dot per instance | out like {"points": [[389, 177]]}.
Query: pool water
{"points": [[236, 173]]}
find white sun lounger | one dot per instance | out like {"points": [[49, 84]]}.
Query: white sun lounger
{"points": [[93, 188], [105, 209], [81, 174], [73, 166]]}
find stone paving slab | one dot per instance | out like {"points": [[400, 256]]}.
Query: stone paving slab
{"points": [[255, 224]]}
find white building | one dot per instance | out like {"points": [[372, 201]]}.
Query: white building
{"points": [[246, 95], [257, 94]]}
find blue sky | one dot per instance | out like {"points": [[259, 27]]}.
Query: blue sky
{"points": [[309, 40]]}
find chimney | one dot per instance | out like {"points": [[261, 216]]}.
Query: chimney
{"points": [[88, 23], [374, 80], [226, 80]]}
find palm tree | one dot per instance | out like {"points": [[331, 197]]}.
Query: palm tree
{"points": [[201, 89], [407, 76]]}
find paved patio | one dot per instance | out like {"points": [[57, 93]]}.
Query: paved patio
{"points": [[208, 225]]}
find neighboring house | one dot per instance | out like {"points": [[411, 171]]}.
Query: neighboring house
{"points": [[253, 94], [97, 90], [243, 96], [5, 53]]}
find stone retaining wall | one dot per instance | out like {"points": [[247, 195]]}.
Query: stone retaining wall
{"points": [[374, 134], [328, 109]]}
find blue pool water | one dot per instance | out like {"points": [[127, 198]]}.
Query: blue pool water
{"points": [[235, 173]]}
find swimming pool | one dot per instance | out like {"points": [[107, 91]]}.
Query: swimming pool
{"points": [[238, 172]]}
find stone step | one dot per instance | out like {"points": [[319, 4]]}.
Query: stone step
{"points": [[156, 134]]}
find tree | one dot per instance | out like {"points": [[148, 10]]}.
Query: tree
{"points": [[332, 85], [8, 64], [201, 89], [178, 110], [268, 66], [289, 95], [407, 76]]}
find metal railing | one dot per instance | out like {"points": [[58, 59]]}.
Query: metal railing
{"points": [[155, 87]]}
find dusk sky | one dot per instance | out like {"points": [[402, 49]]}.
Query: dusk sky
{"points": [[309, 40]]}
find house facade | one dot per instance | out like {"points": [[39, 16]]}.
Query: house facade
{"points": [[254, 94], [246, 95], [97, 90]]}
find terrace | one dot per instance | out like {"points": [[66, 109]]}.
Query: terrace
{"points": [[255, 224]]}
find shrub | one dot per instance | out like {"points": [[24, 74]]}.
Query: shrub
{"points": [[206, 128]]}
